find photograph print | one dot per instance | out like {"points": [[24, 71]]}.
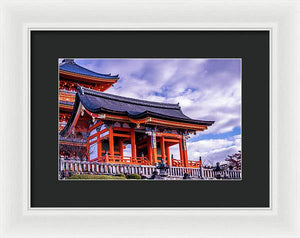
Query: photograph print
{"points": [[149, 119]]}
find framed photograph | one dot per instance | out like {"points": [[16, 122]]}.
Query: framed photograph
{"points": [[143, 124], [174, 122], [144, 134]]}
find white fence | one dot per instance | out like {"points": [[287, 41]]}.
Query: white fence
{"points": [[104, 168], [76, 166]]}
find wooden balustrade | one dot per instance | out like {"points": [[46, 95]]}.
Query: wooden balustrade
{"points": [[177, 163], [123, 160], [111, 166], [191, 164], [140, 161], [195, 164]]}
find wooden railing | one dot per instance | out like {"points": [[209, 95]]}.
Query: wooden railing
{"points": [[97, 167], [104, 168], [177, 163], [195, 164], [191, 164], [123, 160]]}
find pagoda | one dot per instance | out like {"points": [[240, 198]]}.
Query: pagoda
{"points": [[112, 122], [70, 76]]}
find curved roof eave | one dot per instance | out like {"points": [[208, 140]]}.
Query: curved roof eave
{"points": [[84, 96], [71, 67], [165, 111]]}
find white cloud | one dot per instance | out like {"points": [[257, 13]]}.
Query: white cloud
{"points": [[205, 89], [202, 95], [213, 150], [127, 150]]}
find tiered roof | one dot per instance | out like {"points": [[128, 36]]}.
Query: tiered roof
{"points": [[69, 65]]}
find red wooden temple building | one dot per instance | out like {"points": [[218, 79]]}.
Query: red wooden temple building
{"points": [[70, 76], [108, 123]]}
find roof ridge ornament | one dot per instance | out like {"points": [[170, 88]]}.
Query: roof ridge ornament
{"points": [[80, 89], [71, 61]]}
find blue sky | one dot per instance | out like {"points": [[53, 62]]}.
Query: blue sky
{"points": [[208, 89]]}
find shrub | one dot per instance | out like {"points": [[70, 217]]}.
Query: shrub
{"points": [[96, 177], [134, 176], [121, 175]]}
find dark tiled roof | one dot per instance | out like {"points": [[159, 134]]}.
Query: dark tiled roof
{"points": [[98, 102], [70, 66], [124, 102]]}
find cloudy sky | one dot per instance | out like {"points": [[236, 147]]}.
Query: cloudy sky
{"points": [[208, 89]]}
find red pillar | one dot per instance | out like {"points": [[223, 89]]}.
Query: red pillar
{"points": [[111, 141], [88, 148], [185, 158], [99, 147], [153, 146], [186, 163], [168, 155], [162, 148], [121, 148], [181, 152], [149, 149], [133, 145], [154, 151]]}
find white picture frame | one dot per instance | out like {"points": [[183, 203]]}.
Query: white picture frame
{"points": [[18, 18]]}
